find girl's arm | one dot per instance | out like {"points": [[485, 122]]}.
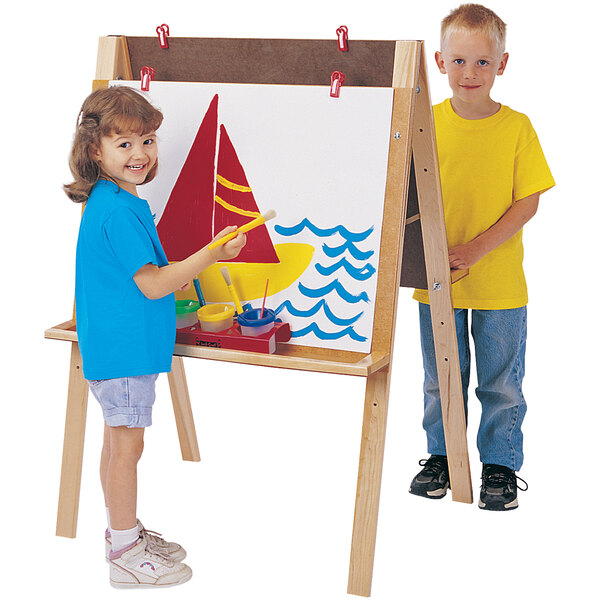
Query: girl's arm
{"points": [[512, 221], [156, 282]]}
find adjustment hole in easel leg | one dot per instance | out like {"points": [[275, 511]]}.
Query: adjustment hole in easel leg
{"points": [[446, 358], [425, 170], [374, 403]]}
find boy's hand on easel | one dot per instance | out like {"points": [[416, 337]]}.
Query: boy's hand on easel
{"points": [[464, 256], [231, 248]]}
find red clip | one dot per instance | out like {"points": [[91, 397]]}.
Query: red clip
{"points": [[146, 75], [342, 33], [337, 78], [163, 33]]}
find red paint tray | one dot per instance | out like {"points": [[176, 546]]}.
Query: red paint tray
{"points": [[232, 338]]}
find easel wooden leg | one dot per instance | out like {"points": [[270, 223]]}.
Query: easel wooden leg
{"points": [[369, 483], [451, 397], [70, 478], [435, 247], [183, 411]]}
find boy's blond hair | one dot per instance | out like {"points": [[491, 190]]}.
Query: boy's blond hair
{"points": [[475, 17]]}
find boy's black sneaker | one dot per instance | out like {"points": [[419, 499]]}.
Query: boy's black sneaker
{"points": [[499, 488], [433, 480]]}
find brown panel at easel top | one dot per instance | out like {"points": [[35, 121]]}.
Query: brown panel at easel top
{"points": [[262, 61]]}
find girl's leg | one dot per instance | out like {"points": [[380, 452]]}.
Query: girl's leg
{"points": [[432, 420], [499, 337], [127, 409], [120, 483]]}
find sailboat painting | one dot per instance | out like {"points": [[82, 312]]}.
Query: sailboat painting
{"points": [[229, 152]]}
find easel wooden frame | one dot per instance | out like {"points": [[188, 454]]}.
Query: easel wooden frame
{"points": [[412, 140]]}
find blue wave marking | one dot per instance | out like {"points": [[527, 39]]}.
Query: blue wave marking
{"points": [[335, 285], [358, 273], [323, 335], [334, 252], [306, 224], [321, 304]]}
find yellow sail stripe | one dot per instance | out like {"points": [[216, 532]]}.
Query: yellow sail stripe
{"points": [[235, 209], [232, 186]]}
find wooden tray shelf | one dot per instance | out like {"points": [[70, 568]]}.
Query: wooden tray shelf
{"points": [[287, 356]]}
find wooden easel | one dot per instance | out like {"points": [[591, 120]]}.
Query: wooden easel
{"points": [[413, 225]]}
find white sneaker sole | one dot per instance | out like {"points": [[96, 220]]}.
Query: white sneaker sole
{"points": [[128, 586], [134, 584]]}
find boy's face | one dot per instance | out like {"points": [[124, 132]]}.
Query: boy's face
{"points": [[471, 60], [127, 158]]}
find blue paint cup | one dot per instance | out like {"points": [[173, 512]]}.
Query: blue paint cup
{"points": [[251, 324]]}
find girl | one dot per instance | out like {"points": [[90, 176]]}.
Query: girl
{"points": [[126, 312]]}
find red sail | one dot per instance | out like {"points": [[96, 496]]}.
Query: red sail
{"points": [[235, 205], [186, 223]]}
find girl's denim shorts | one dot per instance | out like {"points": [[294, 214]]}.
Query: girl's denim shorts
{"points": [[126, 401]]}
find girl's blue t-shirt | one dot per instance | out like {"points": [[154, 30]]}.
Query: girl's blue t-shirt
{"points": [[121, 333]]}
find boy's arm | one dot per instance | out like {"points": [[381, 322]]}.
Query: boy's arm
{"points": [[156, 282], [512, 221]]}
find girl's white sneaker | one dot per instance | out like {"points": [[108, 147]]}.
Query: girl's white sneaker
{"points": [[142, 565]]}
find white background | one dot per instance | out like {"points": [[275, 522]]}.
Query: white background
{"points": [[268, 512]]}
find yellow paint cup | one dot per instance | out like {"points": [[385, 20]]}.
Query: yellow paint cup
{"points": [[216, 317]]}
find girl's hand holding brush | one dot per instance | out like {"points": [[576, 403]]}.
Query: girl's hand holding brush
{"points": [[225, 250]]}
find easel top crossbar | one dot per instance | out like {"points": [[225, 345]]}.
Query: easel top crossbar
{"points": [[256, 61]]}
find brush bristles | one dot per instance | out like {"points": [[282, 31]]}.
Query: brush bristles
{"points": [[270, 214], [226, 276]]}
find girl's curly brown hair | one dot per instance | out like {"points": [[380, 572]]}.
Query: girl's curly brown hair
{"points": [[111, 110]]}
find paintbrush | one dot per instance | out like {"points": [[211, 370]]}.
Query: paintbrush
{"points": [[270, 214], [236, 299], [199, 292], [262, 312]]}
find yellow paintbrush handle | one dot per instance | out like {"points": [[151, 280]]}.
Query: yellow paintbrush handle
{"points": [[244, 228], [236, 299]]}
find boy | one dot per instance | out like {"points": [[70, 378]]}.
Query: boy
{"points": [[492, 171]]}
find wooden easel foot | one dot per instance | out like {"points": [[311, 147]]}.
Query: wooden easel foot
{"points": [[70, 478], [368, 488], [183, 411]]}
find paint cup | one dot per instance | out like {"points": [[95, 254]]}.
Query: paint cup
{"points": [[185, 313], [251, 324], [215, 317]]}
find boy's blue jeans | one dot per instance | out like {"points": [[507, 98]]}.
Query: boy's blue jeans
{"points": [[499, 338]]}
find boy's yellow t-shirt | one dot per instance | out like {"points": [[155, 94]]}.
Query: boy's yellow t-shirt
{"points": [[485, 166]]}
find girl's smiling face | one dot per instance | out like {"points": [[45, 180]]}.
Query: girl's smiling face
{"points": [[471, 60], [127, 158]]}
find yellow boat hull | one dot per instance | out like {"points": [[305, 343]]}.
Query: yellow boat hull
{"points": [[249, 279]]}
